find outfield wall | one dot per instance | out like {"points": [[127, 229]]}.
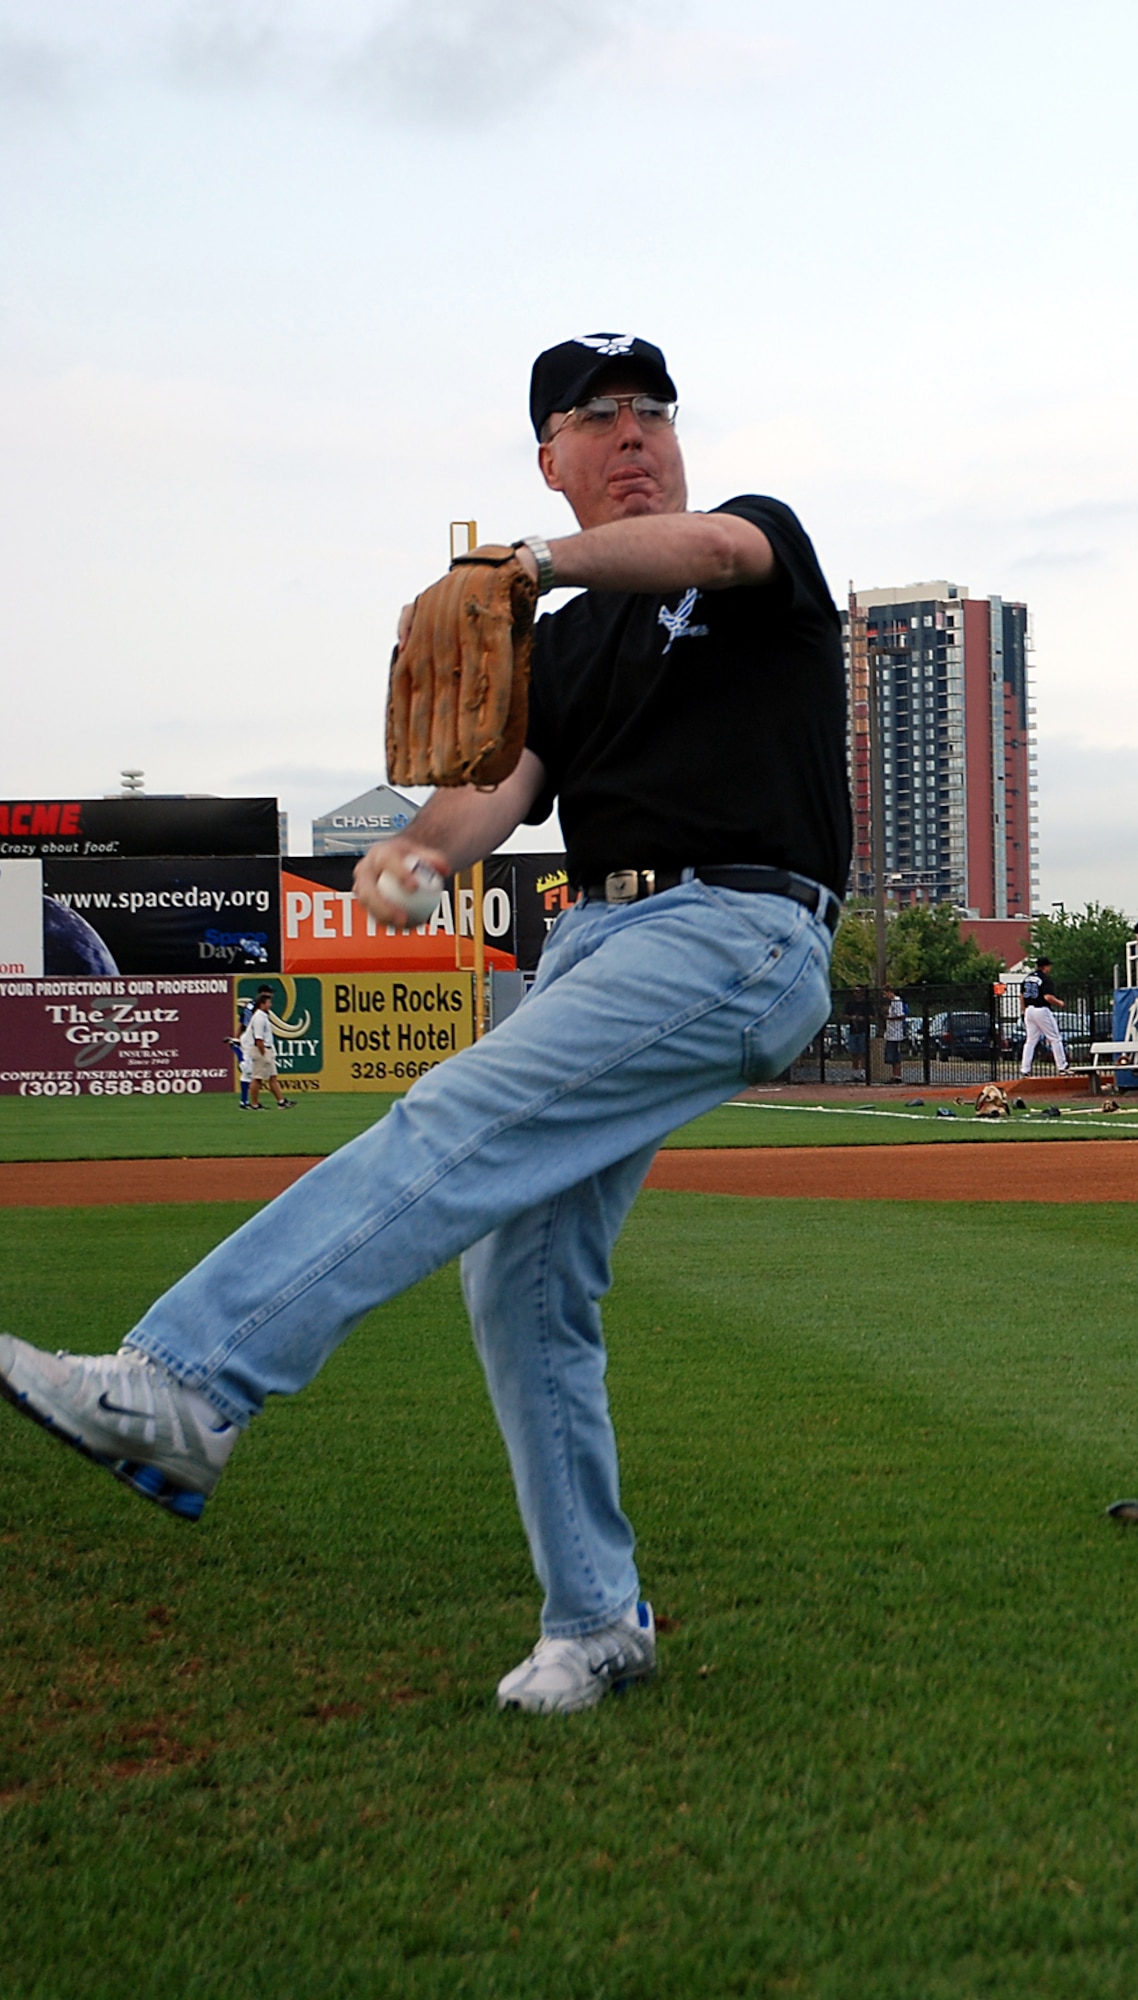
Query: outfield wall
{"points": [[172, 1037], [365, 1031]]}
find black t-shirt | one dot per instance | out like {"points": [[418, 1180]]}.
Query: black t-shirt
{"points": [[702, 726]]}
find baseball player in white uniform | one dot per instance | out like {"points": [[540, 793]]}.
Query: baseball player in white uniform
{"points": [[1038, 1001]]}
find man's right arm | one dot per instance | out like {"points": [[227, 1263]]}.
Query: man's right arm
{"points": [[661, 552], [457, 826]]}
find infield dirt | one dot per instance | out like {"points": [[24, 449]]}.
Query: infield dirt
{"points": [[1061, 1171]]}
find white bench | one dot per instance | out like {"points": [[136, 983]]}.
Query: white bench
{"points": [[1118, 1055]]}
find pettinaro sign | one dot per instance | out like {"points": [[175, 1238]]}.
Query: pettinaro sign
{"points": [[86, 828], [114, 1037], [326, 930]]}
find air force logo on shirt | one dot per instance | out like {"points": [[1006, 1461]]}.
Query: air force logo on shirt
{"points": [[677, 624]]}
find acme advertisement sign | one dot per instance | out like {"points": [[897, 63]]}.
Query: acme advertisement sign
{"points": [[83, 828]]}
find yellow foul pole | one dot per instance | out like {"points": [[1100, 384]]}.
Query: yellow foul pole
{"points": [[464, 536]]}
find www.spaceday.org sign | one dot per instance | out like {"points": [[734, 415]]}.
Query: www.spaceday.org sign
{"points": [[114, 1037], [201, 914]]}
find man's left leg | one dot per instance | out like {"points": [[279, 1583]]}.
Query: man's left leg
{"points": [[1032, 1039], [642, 1018], [1055, 1041], [533, 1289]]}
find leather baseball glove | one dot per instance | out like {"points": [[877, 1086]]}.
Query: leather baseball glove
{"points": [[458, 696], [992, 1102]]}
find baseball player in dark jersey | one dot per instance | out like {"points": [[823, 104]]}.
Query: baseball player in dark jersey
{"points": [[1038, 1003]]}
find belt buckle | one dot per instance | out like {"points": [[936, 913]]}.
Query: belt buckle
{"points": [[623, 885]]}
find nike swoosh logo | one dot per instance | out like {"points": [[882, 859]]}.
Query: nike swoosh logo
{"points": [[606, 1666], [117, 1409]]}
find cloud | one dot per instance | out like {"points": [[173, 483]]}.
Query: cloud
{"points": [[305, 791], [474, 61], [710, 62], [1050, 559], [466, 62], [1088, 823], [32, 73], [1088, 513], [1083, 517], [225, 43]]}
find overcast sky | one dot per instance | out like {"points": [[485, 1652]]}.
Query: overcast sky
{"points": [[273, 273]]}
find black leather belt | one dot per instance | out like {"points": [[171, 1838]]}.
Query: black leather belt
{"points": [[631, 885]]}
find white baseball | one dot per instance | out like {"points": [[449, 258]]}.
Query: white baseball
{"points": [[422, 902]]}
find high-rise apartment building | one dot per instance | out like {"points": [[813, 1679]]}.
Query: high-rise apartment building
{"points": [[955, 727]]}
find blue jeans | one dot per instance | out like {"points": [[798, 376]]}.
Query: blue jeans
{"points": [[526, 1152]]}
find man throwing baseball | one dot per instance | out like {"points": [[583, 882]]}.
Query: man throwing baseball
{"points": [[687, 714]]}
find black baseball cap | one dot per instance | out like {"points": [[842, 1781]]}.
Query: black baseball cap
{"points": [[1040, 963], [563, 375], [264, 992]]}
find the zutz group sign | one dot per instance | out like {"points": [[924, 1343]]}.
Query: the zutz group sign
{"points": [[114, 1037]]}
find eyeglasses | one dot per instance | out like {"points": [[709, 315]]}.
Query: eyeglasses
{"points": [[601, 413]]}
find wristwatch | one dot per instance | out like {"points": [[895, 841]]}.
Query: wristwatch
{"points": [[540, 551]]}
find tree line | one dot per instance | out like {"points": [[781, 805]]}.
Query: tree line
{"points": [[925, 946]]}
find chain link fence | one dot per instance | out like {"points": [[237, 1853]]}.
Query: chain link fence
{"points": [[951, 1034]]}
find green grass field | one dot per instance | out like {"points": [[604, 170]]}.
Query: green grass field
{"points": [[195, 1127], [890, 1752]]}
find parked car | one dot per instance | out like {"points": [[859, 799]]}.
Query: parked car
{"points": [[964, 1035], [833, 1041], [1075, 1025]]}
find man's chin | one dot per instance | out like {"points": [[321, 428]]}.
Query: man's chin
{"points": [[637, 500]]}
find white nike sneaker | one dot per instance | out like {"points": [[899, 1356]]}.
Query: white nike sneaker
{"points": [[126, 1412], [561, 1675]]}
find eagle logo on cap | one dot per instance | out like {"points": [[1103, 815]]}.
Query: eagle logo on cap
{"points": [[607, 343]]}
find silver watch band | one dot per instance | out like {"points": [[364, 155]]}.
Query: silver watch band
{"points": [[540, 551]]}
